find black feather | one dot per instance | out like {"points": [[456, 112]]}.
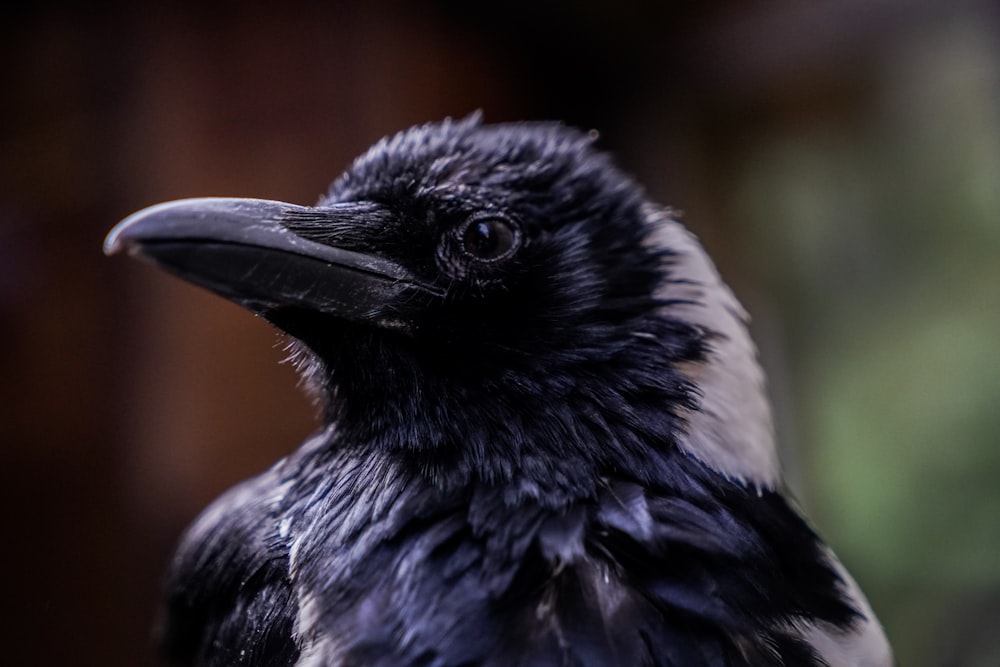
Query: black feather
{"points": [[238, 608]]}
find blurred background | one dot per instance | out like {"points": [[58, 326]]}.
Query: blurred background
{"points": [[839, 159]]}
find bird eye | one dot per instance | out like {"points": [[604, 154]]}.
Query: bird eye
{"points": [[489, 238]]}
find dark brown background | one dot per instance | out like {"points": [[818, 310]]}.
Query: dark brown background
{"points": [[841, 161]]}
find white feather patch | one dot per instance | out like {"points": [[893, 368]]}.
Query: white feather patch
{"points": [[732, 430]]}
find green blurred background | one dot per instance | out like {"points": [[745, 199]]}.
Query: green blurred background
{"points": [[840, 160]]}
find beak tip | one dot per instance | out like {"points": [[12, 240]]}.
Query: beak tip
{"points": [[116, 241], [130, 232], [112, 243]]}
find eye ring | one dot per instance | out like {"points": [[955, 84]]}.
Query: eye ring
{"points": [[489, 237]]}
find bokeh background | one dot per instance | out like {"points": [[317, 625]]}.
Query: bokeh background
{"points": [[839, 158]]}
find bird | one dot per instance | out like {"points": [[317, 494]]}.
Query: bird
{"points": [[545, 434]]}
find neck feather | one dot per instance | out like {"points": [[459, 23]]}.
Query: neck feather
{"points": [[731, 428]]}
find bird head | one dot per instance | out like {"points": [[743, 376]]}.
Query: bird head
{"points": [[497, 302]]}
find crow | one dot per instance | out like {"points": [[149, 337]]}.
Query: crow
{"points": [[545, 440]]}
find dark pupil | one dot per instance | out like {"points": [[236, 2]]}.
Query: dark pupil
{"points": [[488, 239]]}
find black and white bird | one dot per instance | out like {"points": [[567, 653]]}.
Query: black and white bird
{"points": [[546, 439]]}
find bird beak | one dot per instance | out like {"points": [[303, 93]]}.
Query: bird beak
{"points": [[241, 250]]}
